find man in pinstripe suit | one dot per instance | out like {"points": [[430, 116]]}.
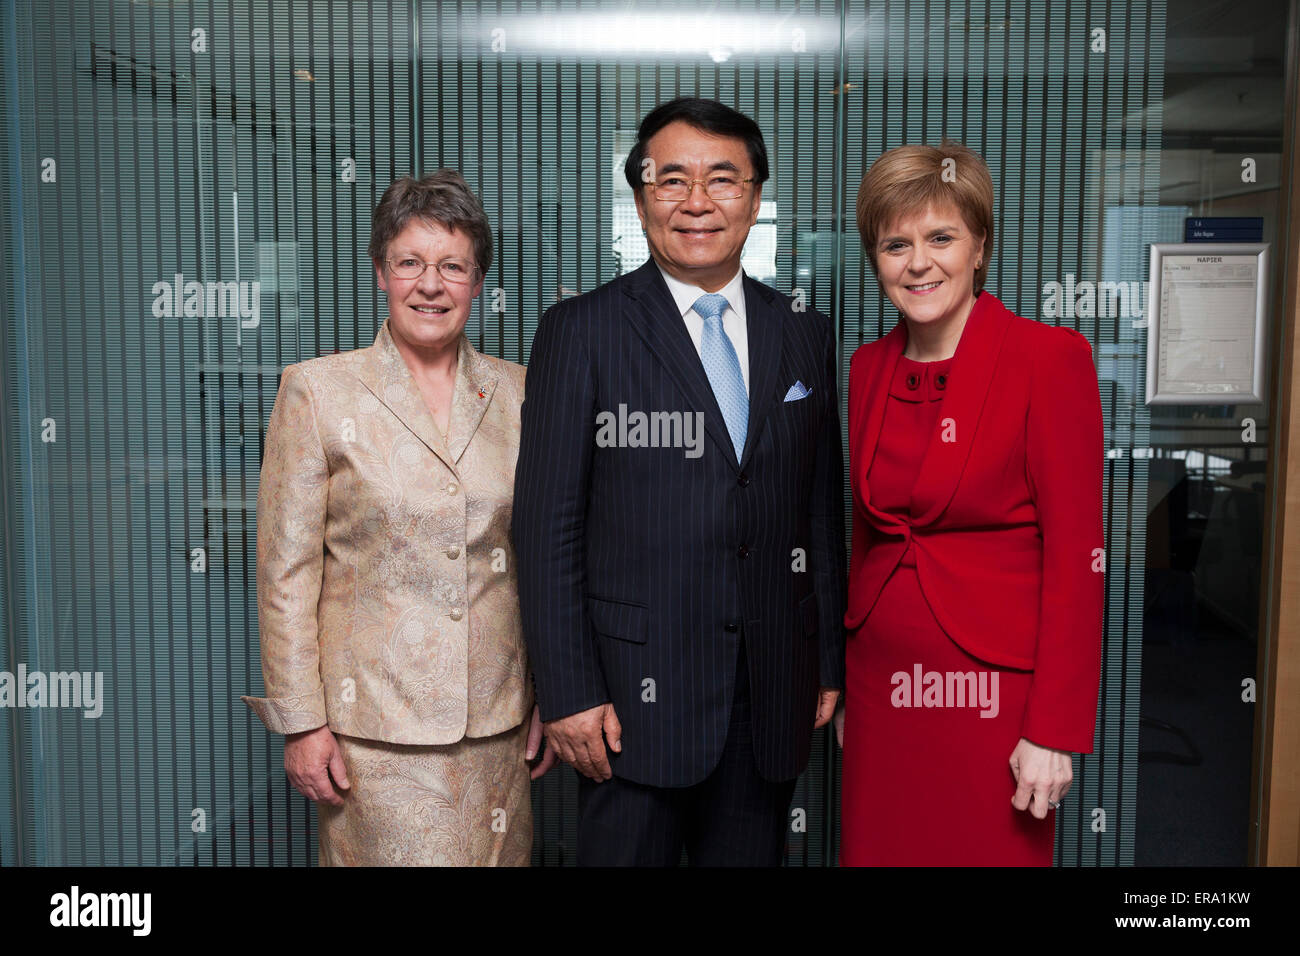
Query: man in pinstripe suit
{"points": [[682, 605]]}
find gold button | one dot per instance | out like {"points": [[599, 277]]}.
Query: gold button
{"points": [[457, 614], [452, 488], [454, 553]]}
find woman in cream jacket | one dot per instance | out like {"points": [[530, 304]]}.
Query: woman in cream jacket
{"points": [[391, 646]]}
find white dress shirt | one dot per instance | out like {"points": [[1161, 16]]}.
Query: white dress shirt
{"points": [[733, 317]]}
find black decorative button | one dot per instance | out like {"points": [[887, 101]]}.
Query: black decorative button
{"points": [[742, 551], [731, 627], [743, 480], [913, 381], [941, 381]]}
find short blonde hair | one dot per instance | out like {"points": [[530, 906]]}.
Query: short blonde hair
{"points": [[907, 180]]}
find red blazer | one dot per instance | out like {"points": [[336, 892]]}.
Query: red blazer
{"points": [[1005, 516]]}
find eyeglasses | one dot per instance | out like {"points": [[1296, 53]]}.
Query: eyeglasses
{"points": [[451, 270], [678, 188]]}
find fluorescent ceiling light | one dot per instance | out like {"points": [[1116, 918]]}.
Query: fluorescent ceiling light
{"points": [[610, 35]]}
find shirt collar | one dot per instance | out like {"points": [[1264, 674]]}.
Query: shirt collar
{"points": [[685, 295]]}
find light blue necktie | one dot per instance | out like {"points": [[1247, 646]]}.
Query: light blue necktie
{"points": [[723, 368]]}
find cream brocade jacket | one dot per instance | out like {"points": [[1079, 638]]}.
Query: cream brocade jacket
{"points": [[386, 587]]}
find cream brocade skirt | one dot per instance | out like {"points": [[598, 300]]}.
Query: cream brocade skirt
{"points": [[461, 804]]}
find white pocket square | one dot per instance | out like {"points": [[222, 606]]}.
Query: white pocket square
{"points": [[797, 391]]}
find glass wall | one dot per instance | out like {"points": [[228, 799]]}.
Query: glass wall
{"points": [[1221, 150], [192, 187]]}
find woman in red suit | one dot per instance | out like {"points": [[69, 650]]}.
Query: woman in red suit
{"points": [[976, 572]]}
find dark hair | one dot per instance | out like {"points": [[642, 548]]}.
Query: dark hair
{"points": [[707, 115], [443, 197]]}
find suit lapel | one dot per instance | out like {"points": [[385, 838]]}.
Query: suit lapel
{"points": [[765, 333], [385, 374], [877, 375], [654, 316], [963, 403], [475, 383]]}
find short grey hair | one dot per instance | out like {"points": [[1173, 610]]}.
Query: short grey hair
{"points": [[443, 197]]}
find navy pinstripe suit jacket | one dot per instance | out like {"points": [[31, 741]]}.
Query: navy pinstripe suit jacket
{"points": [[640, 567]]}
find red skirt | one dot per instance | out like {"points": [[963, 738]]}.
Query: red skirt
{"points": [[928, 736]]}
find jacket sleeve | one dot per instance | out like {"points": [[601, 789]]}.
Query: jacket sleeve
{"points": [[1065, 458], [828, 526], [552, 478], [291, 504]]}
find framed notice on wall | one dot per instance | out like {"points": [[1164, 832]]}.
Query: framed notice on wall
{"points": [[1205, 324]]}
